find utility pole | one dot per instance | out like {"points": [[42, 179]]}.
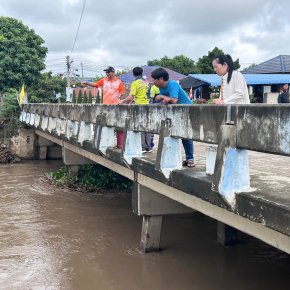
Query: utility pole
{"points": [[82, 70], [68, 70]]}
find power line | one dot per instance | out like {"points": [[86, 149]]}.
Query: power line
{"points": [[79, 25]]}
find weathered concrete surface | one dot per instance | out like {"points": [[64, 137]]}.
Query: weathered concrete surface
{"points": [[255, 123], [150, 234], [264, 128], [71, 158], [231, 173], [192, 122], [28, 141]]}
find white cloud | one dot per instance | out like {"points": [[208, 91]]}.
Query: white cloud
{"points": [[129, 33]]}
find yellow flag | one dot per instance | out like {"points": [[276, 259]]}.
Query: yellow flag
{"points": [[21, 95]]}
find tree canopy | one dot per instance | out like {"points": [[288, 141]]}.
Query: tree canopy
{"points": [[22, 54], [45, 89], [179, 63], [204, 63], [185, 65]]}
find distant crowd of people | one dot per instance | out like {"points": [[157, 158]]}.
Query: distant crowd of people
{"points": [[165, 91]]}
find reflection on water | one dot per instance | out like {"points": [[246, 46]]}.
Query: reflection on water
{"points": [[52, 238]]}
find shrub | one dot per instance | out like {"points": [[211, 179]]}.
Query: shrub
{"points": [[92, 176]]}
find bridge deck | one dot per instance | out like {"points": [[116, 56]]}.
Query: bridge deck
{"points": [[268, 202], [263, 213]]}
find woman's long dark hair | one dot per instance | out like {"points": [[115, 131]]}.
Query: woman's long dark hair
{"points": [[226, 58]]}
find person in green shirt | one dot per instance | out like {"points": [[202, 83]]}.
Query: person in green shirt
{"points": [[138, 96]]}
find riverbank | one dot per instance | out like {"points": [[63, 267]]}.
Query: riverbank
{"points": [[6, 156]]}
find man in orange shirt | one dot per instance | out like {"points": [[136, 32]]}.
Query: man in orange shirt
{"points": [[113, 88]]}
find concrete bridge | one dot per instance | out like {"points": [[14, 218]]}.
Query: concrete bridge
{"points": [[222, 188]]}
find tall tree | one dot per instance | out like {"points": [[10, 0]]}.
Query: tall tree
{"points": [[204, 63], [46, 88], [22, 54], [179, 63], [85, 97], [90, 100], [80, 97], [74, 98]]}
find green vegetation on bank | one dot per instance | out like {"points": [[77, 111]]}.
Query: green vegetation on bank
{"points": [[91, 176], [9, 108]]}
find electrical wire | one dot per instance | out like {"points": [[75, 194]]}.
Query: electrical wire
{"points": [[79, 25]]}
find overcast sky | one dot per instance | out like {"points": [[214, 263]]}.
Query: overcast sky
{"points": [[128, 33]]}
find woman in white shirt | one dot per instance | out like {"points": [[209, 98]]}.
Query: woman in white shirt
{"points": [[234, 88]]}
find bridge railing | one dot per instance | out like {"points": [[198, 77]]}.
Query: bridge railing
{"points": [[258, 127], [234, 128]]}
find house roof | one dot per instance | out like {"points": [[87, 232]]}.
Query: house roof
{"points": [[278, 64], [196, 80], [129, 78]]}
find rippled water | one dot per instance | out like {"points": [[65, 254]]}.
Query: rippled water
{"points": [[53, 238]]}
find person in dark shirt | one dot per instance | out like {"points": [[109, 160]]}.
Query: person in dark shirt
{"points": [[284, 94]]}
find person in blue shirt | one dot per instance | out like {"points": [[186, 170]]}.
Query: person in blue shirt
{"points": [[172, 93]]}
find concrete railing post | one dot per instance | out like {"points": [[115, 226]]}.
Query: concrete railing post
{"points": [[169, 150], [104, 136], [132, 143], [85, 132], [231, 172]]}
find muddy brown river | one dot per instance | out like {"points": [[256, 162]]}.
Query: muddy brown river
{"points": [[52, 238]]}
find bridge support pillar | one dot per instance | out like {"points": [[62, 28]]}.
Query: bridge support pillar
{"points": [[73, 160], [42, 152], [226, 235], [150, 235], [152, 206], [43, 144]]}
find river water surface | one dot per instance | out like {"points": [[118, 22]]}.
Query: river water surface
{"points": [[52, 238]]}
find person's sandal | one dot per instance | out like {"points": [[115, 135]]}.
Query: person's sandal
{"points": [[188, 163]]}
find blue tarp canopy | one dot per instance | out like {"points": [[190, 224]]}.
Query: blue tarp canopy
{"points": [[251, 79]]}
